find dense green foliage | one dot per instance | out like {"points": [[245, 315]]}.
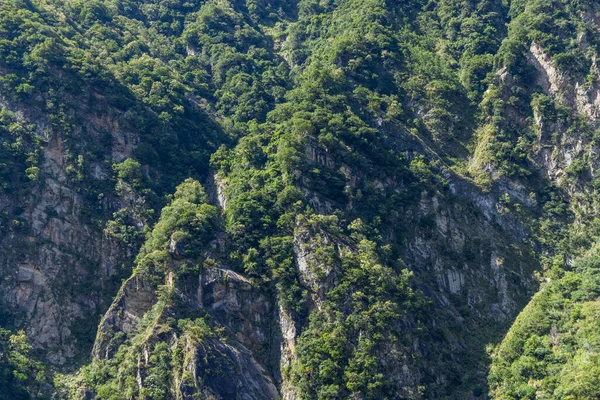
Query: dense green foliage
{"points": [[552, 349], [327, 129], [21, 378], [37, 43]]}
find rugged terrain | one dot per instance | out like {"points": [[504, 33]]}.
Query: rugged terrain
{"points": [[299, 199]]}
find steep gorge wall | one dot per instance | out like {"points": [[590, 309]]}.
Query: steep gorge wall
{"points": [[369, 217], [58, 267]]}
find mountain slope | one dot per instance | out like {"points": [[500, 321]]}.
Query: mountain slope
{"points": [[376, 191]]}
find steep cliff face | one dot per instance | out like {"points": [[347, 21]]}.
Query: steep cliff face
{"points": [[217, 325], [393, 183], [58, 264], [547, 350], [74, 204]]}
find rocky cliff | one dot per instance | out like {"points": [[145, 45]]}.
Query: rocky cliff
{"points": [[296, 199]]}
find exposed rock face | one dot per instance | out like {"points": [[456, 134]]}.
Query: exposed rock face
{"points": [[57, 270], [239, 375], [317, 276], [135, 299], [453, 280], [236, 304], [216, 192], [571, 90], [214, 320], [227, 370], [289, 334], [246, 314], [549, 78], [462, 245], [474, 268], [557, 147], [177, 248]]}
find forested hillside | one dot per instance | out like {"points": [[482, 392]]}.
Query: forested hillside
{"points": [[299, 199]]}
